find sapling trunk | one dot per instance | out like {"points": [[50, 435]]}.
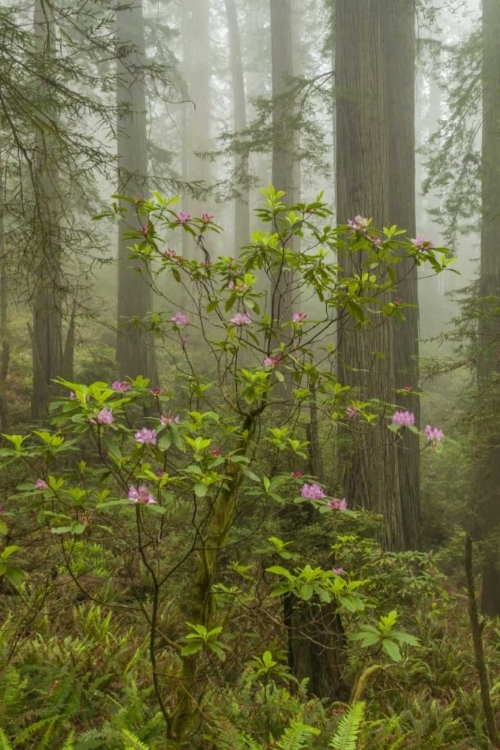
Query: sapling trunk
{"points": [[477, 626]]}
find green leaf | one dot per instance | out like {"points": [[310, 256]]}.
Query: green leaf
{"points": [[306, 592], [391, 648], [15, 576], [200, 489]]}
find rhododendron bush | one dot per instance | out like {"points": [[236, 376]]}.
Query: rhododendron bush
{"points": [[189, 485]]}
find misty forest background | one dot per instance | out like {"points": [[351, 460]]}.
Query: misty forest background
{"points": [[250, 374]]}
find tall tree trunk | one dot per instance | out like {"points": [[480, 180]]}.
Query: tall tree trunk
{"points": [[135, 346], [284, 166], [371, 477], [197, 70], [488, 360], [398, 38], [4, 331], [47, 276], [241, 208]]}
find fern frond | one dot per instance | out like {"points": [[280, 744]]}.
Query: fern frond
{"points": [[4, 742], [136, 742], [346, 737], [70, 742], [296, 737]]}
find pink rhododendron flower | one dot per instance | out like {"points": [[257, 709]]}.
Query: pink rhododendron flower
{"points": [[145, 436], [398, 301], [105, 416], [169, 253], [422, 243], [123, 387], [403, 418], [141, 495], [271, 361], [156, 391], [338, 571], [241, 319], [312, 491], [167, 419], [337, 504], [183, 218], [40, 484], [144, 230], [72, 394], [358, 224], [352, 412], [179, 319], [408, 388], [207, 218], [433, 434], [299, 317], [238, 287], [215, 452], [296, 474]]}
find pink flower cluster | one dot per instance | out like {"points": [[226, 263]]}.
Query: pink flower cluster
{"points": [[140, 495], [207, 218], [41, 484], [156, 391], [299, 317], [337, 504], [183, 218], [312, 491], [422, 243], [358, 224], [105, 416], [169, 253], [121, 386], [241, 319], [272, 361], [352, 412], [179, 319], [338, 571], [433, 434], [145, 436], [403, 418], [167, 419], [238, 287]]}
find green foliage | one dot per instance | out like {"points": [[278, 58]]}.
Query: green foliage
{"points": [[346, 737]]}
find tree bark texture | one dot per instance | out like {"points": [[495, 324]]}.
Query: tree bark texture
{"points": [[135, 344], [398, 42], [371, 474], [488, 360]]}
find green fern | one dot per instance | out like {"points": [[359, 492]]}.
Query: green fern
{"points": [[136, 743], [346, 737], [296, 737], [4, 742]]}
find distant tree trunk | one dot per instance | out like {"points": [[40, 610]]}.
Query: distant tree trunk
{"points": [[197, 69], [47, 276], [242, 215], [284, 166], [371, 477], [488, 359], [135, 347], [398, 38], [4, 330]]}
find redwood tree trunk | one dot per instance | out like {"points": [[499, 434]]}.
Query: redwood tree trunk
{"points": [[371, 475], [488, 360], [242, 216], [47, 277], [135, 349], [398, 41]]}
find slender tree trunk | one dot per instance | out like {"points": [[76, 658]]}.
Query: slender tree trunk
{"points": [[488, 360], [135, 349], [371, 477], [47, 276], [398, 38], [197, 69], [242, 216]]}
